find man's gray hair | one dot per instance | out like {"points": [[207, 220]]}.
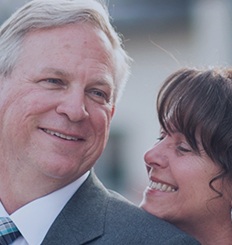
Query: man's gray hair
{"points": [[44, 14]]}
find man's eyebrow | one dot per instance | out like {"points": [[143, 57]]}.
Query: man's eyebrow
{"points": [[101, 80], [55, 71]]}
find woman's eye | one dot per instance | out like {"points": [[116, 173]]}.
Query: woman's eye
{"points": [[162, 136], [183, 149]]}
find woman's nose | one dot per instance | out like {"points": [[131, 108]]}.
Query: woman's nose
{"points": [[157, 156], [73, 105]]}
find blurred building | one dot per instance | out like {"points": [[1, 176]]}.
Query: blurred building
{"points": [[161, 36]]}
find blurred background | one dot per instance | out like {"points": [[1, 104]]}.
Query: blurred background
{"points": [[161, 36]]}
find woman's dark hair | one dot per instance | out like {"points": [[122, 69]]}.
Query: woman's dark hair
{"points": [[199, 103]]}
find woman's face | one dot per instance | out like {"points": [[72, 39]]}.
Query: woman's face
{"points": [[179, 190]]}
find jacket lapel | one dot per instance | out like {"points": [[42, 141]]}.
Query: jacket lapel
{"points": [[83, 217]]}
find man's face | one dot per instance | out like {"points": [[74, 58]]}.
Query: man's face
{"points": [[56, 107]]}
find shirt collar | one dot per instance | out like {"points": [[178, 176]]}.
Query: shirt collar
{"points": [[35, 218]]}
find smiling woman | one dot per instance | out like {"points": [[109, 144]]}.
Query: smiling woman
{"points": [[190, 166]]}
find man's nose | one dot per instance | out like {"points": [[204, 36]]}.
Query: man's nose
{"points": [[73, 105]]}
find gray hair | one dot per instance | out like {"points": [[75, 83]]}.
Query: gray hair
{"points": [[42, 14]]}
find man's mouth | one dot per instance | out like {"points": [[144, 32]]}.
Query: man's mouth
{"points": [[161, 187], [60, 135]]}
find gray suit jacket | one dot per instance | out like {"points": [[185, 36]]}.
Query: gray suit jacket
{"points": [[95, 215]]}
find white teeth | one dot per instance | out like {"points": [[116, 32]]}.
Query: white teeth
{"points": [[161, 187], [67, 137]]}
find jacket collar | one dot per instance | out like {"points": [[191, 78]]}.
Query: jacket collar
{"points": [[82, 219]]}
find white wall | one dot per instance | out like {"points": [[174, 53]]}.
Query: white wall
{"points": [[206, 42]]}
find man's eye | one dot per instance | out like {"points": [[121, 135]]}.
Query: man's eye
{"points": [[55, 81], [99, 96], [100, 93], [52, 83]]}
